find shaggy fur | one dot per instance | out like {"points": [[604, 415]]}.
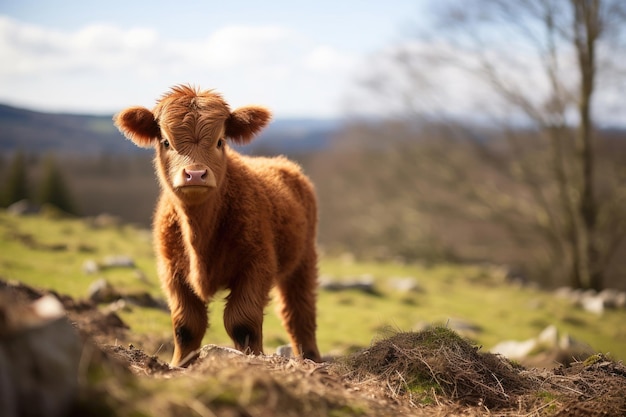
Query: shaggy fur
{"points": [[227, 221]]}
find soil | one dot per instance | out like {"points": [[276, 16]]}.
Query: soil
{"points": [[431, 373]]}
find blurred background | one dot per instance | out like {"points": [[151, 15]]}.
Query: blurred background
{"points": [[473, 131]]}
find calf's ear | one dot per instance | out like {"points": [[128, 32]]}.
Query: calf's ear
{"points": [[245, 122], [138, 124]]}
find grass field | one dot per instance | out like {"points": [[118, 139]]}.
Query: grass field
{"points": [[50, 253]]}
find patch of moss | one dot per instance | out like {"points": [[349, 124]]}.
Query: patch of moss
{"points": [[423, 390], [546, 396], [549, 402], [593, 359]]}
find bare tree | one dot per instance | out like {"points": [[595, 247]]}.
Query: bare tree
{"points": [[544, 61]]}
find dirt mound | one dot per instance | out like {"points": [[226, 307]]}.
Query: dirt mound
{"points": [[434, 372], [438, 362], [83, 314]]}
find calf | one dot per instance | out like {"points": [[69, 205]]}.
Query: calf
{"points": [[227, 221]]}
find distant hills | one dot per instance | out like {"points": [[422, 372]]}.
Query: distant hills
{"points": [[39, 132]]}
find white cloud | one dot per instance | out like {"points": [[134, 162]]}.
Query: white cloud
{"points": [[240, 45], [102, 67], [326, 59]]}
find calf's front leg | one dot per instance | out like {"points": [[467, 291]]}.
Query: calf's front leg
{"points": [[188, 310], [189, 320], [243, 318]]}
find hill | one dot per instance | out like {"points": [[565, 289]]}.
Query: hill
{"points": [[38, 132]]}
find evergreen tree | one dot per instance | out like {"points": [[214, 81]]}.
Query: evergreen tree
{"points": [[17, 187], [54, 190]]}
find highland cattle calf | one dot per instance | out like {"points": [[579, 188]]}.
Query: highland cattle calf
{"points": [[227, 221]]}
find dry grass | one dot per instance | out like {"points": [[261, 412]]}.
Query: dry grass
{"points": [[437, 362]]}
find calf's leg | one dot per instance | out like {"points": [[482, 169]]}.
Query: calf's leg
{"points": [[189, 320], [297, 296], [188, 311], [243, 317]]}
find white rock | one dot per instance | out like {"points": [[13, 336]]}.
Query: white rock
{"points": [[620, 301], [613, 298], [285, 351], [218, 352], [513, 349], [118, 261], [90, 267], [48, 307], [101, 291], [549, 337], [405, 284], [593, 304]]}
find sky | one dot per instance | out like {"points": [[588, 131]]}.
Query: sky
{"points": [[300, 59]]}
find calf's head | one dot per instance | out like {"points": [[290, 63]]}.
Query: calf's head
{"points": [[189, 130]]}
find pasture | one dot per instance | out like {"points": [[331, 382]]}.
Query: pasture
{"points": [[50, 253]]}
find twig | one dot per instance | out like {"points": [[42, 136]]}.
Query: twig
{"points": [[158, 350]]}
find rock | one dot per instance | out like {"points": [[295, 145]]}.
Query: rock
{"points": [[592, 301], [568, 343], [118, 261], [405, 284], [363, 283], [101, 291], [549, 337], [23, 207], [144, 299], [548, 344], [592, 304], [117, 305], [513, 349], [285, 351], [217, 352], [612, 298], [39, 359], [464, 327], [90, 267]]}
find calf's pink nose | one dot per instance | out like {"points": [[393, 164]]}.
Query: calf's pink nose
{"points": [[195, 177]]}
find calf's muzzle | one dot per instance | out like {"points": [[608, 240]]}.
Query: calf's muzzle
{"points": [[195, 177]]}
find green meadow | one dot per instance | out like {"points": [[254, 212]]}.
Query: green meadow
{"points": [[49, 252]]}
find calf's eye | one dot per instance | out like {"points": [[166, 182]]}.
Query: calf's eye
{"points": [[220, 143], [166, 143]]}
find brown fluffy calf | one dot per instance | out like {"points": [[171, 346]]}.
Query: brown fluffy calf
{"points": [[227, 221]]}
